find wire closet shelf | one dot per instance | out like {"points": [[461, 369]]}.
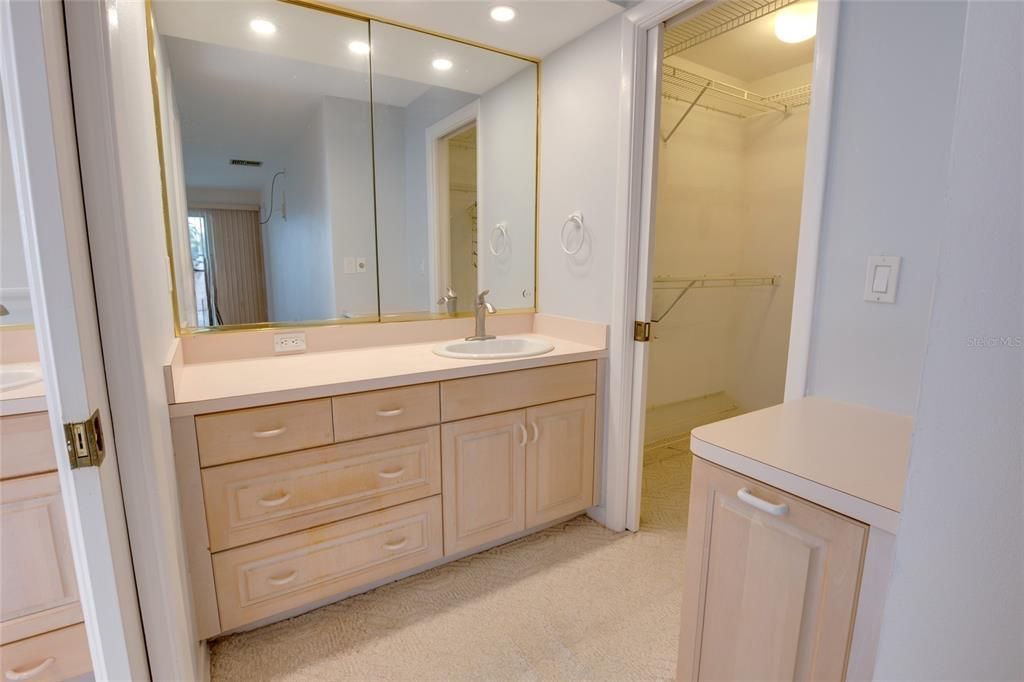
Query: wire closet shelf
{"points": [[685, 284]]}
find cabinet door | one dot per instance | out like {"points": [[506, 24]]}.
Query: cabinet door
{"points": [[559, 460], [771, 583], [37, 573], [483, 470]]}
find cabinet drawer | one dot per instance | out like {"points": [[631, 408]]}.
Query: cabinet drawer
{"points": [[25, 445], [264, 498], [269, 577], [245, 434], [57, 655], [474, 396], [394, 409]]}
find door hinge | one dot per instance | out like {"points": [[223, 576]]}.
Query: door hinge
{"points": [[641, 331], [85, 442]]}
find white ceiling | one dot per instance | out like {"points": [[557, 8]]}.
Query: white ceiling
{"points": [[750, 52]]}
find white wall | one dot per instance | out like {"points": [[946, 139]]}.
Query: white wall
{"points": [[579, 127], [224, 197], [893, 102], [13, 276], [397, 289], [297, 248], [507, 134], [956, 602]]}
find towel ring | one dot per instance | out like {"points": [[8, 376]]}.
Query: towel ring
{"points": [[501, 229], [575, 218]]}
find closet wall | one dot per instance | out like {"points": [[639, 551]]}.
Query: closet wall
{"points": [[729, 195]]}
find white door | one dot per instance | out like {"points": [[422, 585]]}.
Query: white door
{"points": [[37, 97]]}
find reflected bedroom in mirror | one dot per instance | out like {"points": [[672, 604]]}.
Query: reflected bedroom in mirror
{"points": [[324, 168]]}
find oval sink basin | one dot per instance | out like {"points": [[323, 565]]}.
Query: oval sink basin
{"points": [[16, 377], [493, 349]]}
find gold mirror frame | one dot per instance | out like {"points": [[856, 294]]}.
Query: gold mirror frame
{"points": [[380, 319]]}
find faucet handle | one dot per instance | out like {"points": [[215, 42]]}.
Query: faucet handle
{"points": [[480, 298]]}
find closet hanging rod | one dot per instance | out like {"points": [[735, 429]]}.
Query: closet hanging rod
{"points": [[684, 284]]}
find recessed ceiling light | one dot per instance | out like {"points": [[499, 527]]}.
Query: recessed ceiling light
{"points": [[442, 64], [263, 27], [797, 23], [359, 47], [503, 13]]}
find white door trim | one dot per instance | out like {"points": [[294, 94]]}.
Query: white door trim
{"points": [[37, 93], [637, 155], [438, 213]]}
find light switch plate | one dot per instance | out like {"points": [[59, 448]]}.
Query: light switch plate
{"points": [[881, 278], [291, 342]]}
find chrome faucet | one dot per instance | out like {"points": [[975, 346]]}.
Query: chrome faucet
{"points": [[482, 308], [450, 300]]}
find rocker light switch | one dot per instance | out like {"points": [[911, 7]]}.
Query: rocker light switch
{"points": [[881, 278]]}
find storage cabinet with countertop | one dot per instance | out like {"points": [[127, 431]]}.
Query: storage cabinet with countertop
{"points": [[289, 505]]}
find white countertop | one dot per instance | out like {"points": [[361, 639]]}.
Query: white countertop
{"points": [[233, 384], [848, 458], [24, 399]]}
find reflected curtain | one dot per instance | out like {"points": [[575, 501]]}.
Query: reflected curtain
{"points": [[235, 244]]}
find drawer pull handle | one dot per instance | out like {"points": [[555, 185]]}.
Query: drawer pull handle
{"points": [[396, 544], [274, 501], [28, 674], [390, 413], [535, 430], [764, 505], [283, 579], [394, 473], [270, 433], [522, 438]]}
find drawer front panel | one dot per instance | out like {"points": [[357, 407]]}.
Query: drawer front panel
{"points": [[264, 498], [57, 655], [263, 579], [474, 396], [394, 409], [25, 445], [246, 434]]}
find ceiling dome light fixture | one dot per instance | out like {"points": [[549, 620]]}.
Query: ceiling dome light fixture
{"points": [[442, 64], [263, 26], [359, 47], [797, 23], [503, 13]]}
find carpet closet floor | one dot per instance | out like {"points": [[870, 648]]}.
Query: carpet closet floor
{"points": [[573, 602]]}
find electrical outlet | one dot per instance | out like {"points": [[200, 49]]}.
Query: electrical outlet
{"points": [[292, 342]]}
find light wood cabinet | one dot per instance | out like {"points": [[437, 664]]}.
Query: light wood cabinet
{"points": [[25, 445], [771, 583], [394, 409], [259, 431], [50, 657], [483, 465], [37, 579], [559, 460]]}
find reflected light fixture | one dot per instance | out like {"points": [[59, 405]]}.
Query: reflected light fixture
{"points": [[442, 64], [503, 13], [797, 23], [359, 47], [263, 26]]}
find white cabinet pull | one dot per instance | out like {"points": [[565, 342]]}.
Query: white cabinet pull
{"points": [[270, 433], [394, 473], [535, 432], [274, 501], [764, 505], [283, 579], [522, 438], [396, 544], [28, 674], [390, 413]]}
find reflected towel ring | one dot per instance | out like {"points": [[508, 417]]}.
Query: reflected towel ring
{"points": [[501, 229], [575, 218]]}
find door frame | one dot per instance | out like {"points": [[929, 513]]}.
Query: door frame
{"points": [[637, 180], [48, 181], [438, 210]]}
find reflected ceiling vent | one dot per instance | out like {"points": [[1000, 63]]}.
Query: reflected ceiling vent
{"points": [[246, 162]]}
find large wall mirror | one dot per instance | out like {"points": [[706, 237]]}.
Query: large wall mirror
{"points": [[322, 168]]}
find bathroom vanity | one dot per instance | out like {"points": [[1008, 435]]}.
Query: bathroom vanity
{"points": [[308, 478], [793, 515]]}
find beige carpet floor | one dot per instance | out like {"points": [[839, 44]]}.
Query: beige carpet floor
{"points": [[574, 602]]}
